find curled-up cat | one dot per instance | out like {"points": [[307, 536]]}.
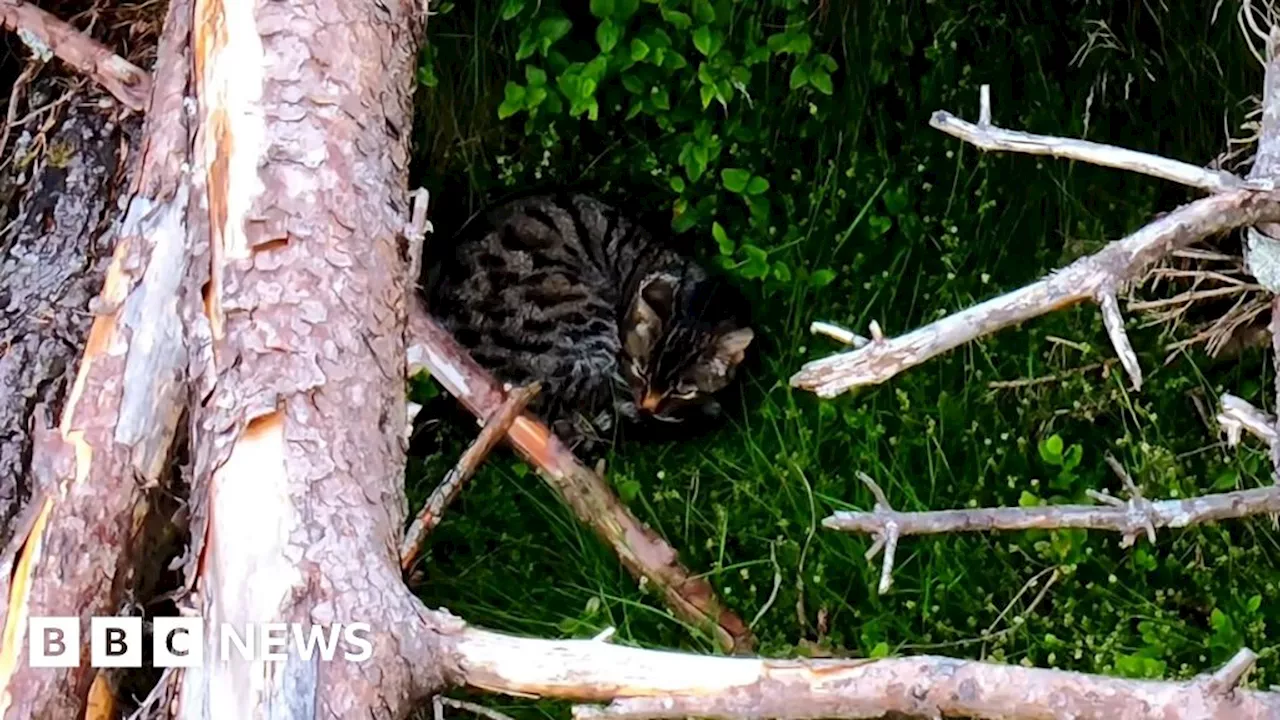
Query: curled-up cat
{"points": [[566, 290]]}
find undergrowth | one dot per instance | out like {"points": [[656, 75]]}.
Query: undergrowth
{"points": [[788, 143]]}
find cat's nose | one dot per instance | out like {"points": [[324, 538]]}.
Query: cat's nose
{"points": [[651, 401]]}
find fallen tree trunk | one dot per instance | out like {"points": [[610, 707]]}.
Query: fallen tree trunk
{"points": [[94, 473]]}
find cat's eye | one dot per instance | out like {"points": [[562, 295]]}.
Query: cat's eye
{"points": [[685, 392]]}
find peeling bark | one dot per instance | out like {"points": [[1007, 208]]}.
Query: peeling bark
{"points": [[112, 445], [52, 261]]}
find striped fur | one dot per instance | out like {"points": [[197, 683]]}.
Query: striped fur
{"points": [[567, 290]]}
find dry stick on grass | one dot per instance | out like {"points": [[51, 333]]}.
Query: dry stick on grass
{"points": [[644, 553], [1238, 416], [1130, 518], [495, 429], [47, 35], [655, 684], [1095, 277]]}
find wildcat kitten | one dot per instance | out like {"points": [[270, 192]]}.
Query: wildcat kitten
{"points": [[566, 290]]}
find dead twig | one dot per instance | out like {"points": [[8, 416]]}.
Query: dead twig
{"points": [[49, 36], [1238, 416], [495, 429], [988, 137], [1131, 517], [1096, 277]]}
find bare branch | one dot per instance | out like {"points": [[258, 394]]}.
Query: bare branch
{"points": [[644, 553], [495, 429], [835, 332], [1137, 515], [990, 138], [1239, 415], [47, 35], [1083, 279], [1228, 677], [657, 684], [1114, 322]]}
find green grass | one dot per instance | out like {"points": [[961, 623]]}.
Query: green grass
{"points": [[911, 223]]}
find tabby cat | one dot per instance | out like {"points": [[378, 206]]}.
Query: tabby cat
{"points": [[566, 290]]}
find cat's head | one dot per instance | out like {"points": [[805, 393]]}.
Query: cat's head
{"points": [[683, 338]]}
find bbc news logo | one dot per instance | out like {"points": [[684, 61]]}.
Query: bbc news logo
{"points": [[116, 642]]}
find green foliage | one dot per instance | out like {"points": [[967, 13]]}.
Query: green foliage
{"points": [[789, 143]]}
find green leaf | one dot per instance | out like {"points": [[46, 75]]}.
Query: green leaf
{"points": [[427, 76], [511, 8], [624, 9], [602, 8], [895, 200], [1227, 480], [661, 99], [821, 81], [1254, 603], [1051, 449], [799, 77], [756, 265], [535, 76], [595, 70], [756, 56], [677, 19], [757, 186], [822, 278], [880, 650], [639, 49], [878, 225], [551, 29], [1140, 666], [628, 490], [677, 185], [1071, 459], [528, 45], [607, 36], [827, 63], [722, 239], [1027, 499], [633, 84], [512, 100], [800, 43], [702, 40], [703, 12], [535, 96], [781, 271], [708, 93], [735, 179]]}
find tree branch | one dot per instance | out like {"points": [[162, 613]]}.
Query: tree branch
{"points": [[657, 684], [47, 35], [1129, 518], [1239, 415], [988, 137], [495, 429], [644, 553]]}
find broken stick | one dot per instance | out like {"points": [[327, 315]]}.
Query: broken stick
{"points": [[1130, 518], [47, 36], [495, 429]]}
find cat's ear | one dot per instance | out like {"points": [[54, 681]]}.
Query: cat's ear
{"points": [[652, 310], [731, 347]]}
